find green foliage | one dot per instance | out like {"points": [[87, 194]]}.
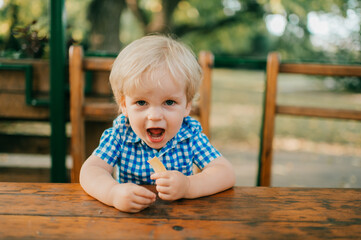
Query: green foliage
{"points": [[17, 17], [228, 27], [352, 84], [32, 44], [21, 13]]}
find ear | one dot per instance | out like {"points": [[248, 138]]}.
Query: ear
{"points": [[188, 109], [123, 106]]}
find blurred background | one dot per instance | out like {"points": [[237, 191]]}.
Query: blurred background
{"points": [[320, 153]]}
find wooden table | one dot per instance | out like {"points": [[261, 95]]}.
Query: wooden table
{"points": [[63, 211]]}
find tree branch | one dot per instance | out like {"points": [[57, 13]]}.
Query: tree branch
{"points": [[138, 13], [183, 29]]}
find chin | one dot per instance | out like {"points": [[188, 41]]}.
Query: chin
{"points": [[156, 145]]}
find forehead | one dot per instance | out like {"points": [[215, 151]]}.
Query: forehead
{"points": [[159, 78]]}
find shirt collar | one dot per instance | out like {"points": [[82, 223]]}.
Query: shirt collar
{"points": [[130, 135], [185, 131]]}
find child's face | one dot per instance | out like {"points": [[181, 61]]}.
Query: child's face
{"points": [[156, 110]]}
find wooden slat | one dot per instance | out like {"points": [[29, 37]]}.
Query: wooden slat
{"points": [[24, 174], [15, 80], [29, 144], [11, 80], [252, 203], [320, 69], [319, 112], [98, 64], [105, 111], [58, 227], [114, 228], [12, 105]]}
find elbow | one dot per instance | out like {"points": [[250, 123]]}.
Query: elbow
{"points": [[231, 174], [227, 173], [232, 177], [82, 176], [85, 174]]}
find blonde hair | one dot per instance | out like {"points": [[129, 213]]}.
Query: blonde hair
{"points": [[151, 53]]}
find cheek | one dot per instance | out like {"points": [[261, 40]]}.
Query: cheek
{"points": [[136, 123], [134, 116], [176, 120]]}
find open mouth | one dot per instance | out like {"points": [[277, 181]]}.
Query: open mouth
{"points": [[155, 134]]}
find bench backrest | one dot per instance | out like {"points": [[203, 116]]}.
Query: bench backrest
{"points": [[271, 108]]}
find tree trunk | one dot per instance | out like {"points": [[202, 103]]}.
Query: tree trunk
{"points": [[104, 17]]}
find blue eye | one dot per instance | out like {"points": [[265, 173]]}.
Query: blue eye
{"points": [[169, 102], [141, 103]]}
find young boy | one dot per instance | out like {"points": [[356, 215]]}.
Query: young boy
{"points": [[154, 80]]}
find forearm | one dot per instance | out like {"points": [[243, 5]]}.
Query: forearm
{"points": [[217, 176], [97, 180]]}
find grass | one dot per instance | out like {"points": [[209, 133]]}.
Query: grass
{"points": [[238, 103], [236, 106]]}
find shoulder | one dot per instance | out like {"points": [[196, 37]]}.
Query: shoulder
{"points": [[191, 130], [119, 127], [120, 124], [112, 139], [191, 125]]}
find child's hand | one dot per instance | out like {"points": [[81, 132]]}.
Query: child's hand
{"points": [[129, 197], [171, 185]]}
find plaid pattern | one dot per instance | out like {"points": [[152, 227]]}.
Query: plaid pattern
{"points": [[121, 147]]}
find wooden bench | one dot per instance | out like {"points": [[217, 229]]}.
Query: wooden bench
{"points": [[83, 109], [271, 108]]}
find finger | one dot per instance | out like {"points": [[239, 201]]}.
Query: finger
{"points": [[145, 193], [158, 175], [165, 196], [162, 182], [142, 200], [162, 189], [132, 206], [137, 207]]}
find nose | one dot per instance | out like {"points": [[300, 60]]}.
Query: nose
{"points": [[155, 114]]}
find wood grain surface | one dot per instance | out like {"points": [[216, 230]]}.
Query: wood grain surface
{"points": [[64, 211]]}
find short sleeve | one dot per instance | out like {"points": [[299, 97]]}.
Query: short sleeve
{"points": [[110, 144], [203, 151]]}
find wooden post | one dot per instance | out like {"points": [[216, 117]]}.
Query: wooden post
{"points": [[76, 79], [265, 161], [206, 60]]}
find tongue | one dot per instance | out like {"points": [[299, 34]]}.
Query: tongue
{"points": [[156, 131]]}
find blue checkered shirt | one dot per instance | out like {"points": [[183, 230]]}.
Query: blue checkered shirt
{"points": [[121, 147]]}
